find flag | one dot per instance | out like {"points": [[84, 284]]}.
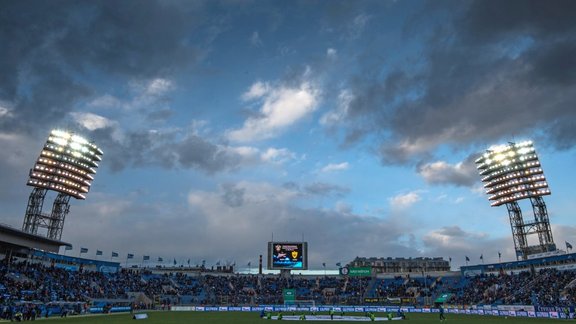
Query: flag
{"points": [[146, 258], [160, 259], [98, 252], [467, 259], [338, 264], [449, 259], [499, 255], [188, 261], [174, 261], [68, 248], [114, 254], [568, 246], [83, 250], [130, 256], [324, 264], [250, 263], [482, 257]]}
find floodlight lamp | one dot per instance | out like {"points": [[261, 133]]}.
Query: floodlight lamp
{"points": [[509, 178], [523, 150], [66, 164]]}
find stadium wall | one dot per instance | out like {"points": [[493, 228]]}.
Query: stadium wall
{"points": [[502, 310]]}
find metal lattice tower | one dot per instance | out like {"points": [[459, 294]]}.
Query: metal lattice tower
{"points": [[511, 173], [33, 218], [53, 222], [66, 165]]}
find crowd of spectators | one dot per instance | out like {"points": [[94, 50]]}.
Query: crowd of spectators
{"points": [[546, 287], [31, 284]]}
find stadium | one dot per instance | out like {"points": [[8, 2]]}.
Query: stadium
{"points": [[38, 282], [244, 161]]}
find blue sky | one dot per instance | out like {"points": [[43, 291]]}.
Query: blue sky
{"points": [[353, 124]]}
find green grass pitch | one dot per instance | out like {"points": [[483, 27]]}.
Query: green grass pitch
{"points": [[252, 317]]}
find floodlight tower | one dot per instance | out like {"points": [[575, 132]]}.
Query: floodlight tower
{"points": [[67, 165], [510, 173]]}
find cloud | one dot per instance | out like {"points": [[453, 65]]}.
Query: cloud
{"points": [[338, 115], [92, 121], [458, 243], [281, 107], [255, 39], [5, 112], [442, 173], [144, 95], [357, 26], [325, 189], [176, 148], [266, 209], [257, 90], [157, 87], [445, 94], [404, 201], [15, 166], [563, 234], [51, 58], [279, 156], [332, 167], [332, 53]]}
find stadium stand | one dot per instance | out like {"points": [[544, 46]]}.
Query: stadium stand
{"points": [[39, 289]]}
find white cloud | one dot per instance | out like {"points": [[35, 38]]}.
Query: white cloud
{"points": [[255, 39], [358, 25], [403, 201], [106, 101], [143, 94], [156, 87], [256, 91], [92, 121], [5, 111], [248, 152], [280, 108], [338, 115], [441, 172], [332, 53], [279, 156], [249, 155], [335, 167], [454, 237]]}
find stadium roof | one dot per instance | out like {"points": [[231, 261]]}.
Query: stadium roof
{"points": [[11, 238], [540, 261]]}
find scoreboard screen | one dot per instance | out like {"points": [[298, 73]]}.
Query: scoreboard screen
{"points": [[287, 255]]}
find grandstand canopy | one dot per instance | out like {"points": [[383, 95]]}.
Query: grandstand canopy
{"points": [[14, 240]]}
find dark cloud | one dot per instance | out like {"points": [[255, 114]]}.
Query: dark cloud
{"points": [[53, 59], [167, 150], [317, 189], [487, 21], [233, 223], [490, 72], [232, 195], [160, 115], [325, 189]]}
